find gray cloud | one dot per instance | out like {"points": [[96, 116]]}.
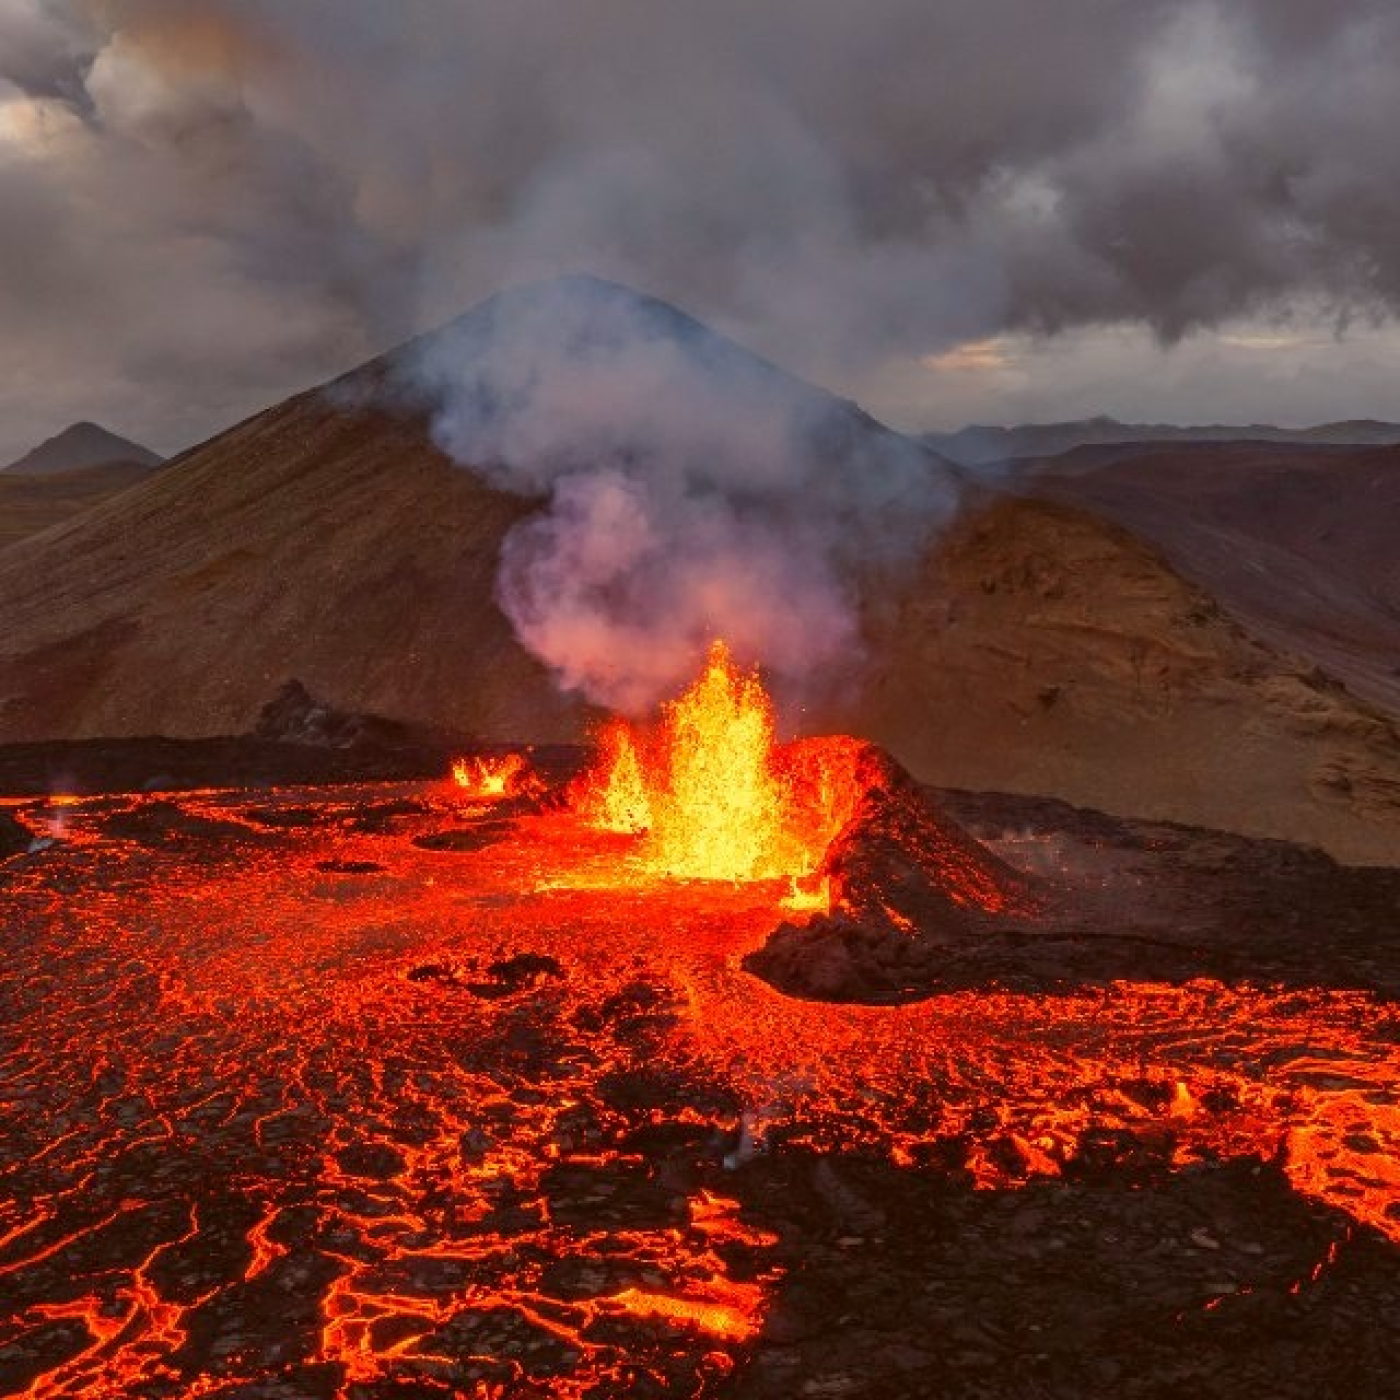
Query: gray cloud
{"points": [[205, 204]]}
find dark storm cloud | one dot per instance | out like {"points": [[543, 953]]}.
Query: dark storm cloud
{"points": [[206, 204], [43, 48]]}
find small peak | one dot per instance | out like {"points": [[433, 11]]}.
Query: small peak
{"points": [[82, 444]]}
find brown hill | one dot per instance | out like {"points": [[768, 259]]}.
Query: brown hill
{"points": [[331, 544], [1299, 542], [1041, 649], [328, 539], [1047, 651], [82, 445]]}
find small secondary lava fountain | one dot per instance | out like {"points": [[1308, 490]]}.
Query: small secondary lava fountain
{"points": [[712, 795], [486, 779]]}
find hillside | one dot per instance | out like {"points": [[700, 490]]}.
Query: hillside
{"points": [[29, 504], [1299, 542], [1044, 650], [332, 544], [330, 539]]}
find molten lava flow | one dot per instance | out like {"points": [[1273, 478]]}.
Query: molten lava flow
{"points": [[732, 1321], [715, 797], [246, 1150], [488, 778], [620, 801], [719, 816]]}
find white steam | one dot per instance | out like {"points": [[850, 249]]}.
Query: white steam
{"points": [[688, 490]]}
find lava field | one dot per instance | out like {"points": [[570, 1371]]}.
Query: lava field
{"points": [[377, 1090]]}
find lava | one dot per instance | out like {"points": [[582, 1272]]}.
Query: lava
{"points": [[616, 797], [734, 1323], [296, 1097], [486, 779], [712, 794]]}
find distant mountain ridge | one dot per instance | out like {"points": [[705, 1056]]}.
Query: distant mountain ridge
{"points": [[82, 445], [980, 443]]}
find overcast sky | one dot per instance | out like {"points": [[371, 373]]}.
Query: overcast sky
{"points": [[989, 210]]}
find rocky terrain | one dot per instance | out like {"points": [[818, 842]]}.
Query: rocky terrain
{"points": [[1064, 896], [333, 545], [1046, 650], [30, 504]]}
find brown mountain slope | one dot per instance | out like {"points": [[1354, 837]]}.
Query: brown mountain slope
{"points": [[1042, 650], [328, 539], [29, 504], [1298, 542], [333, 545], [1047, 651]]}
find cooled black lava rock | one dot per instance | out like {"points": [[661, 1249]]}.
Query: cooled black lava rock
{"points": [[287, 818], [919, 907], [158, 821], [475, 837], [373, 1161], [523, 972], [380, 818], [14, 837], [295, 716], [907, 885]]}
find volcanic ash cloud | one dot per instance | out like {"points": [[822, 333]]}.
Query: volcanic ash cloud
{"points": [[688, 489]]}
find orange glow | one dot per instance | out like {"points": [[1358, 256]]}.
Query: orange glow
{"points": [[810, 894], [714, 796], [727, 1320], [488, 778], [716, 816], [619, 800]]}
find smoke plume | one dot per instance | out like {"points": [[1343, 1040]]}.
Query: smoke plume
{"points": [[690, 490]]}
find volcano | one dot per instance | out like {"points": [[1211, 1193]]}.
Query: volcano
{"points": [[1038, 648], [698, 1061]]}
